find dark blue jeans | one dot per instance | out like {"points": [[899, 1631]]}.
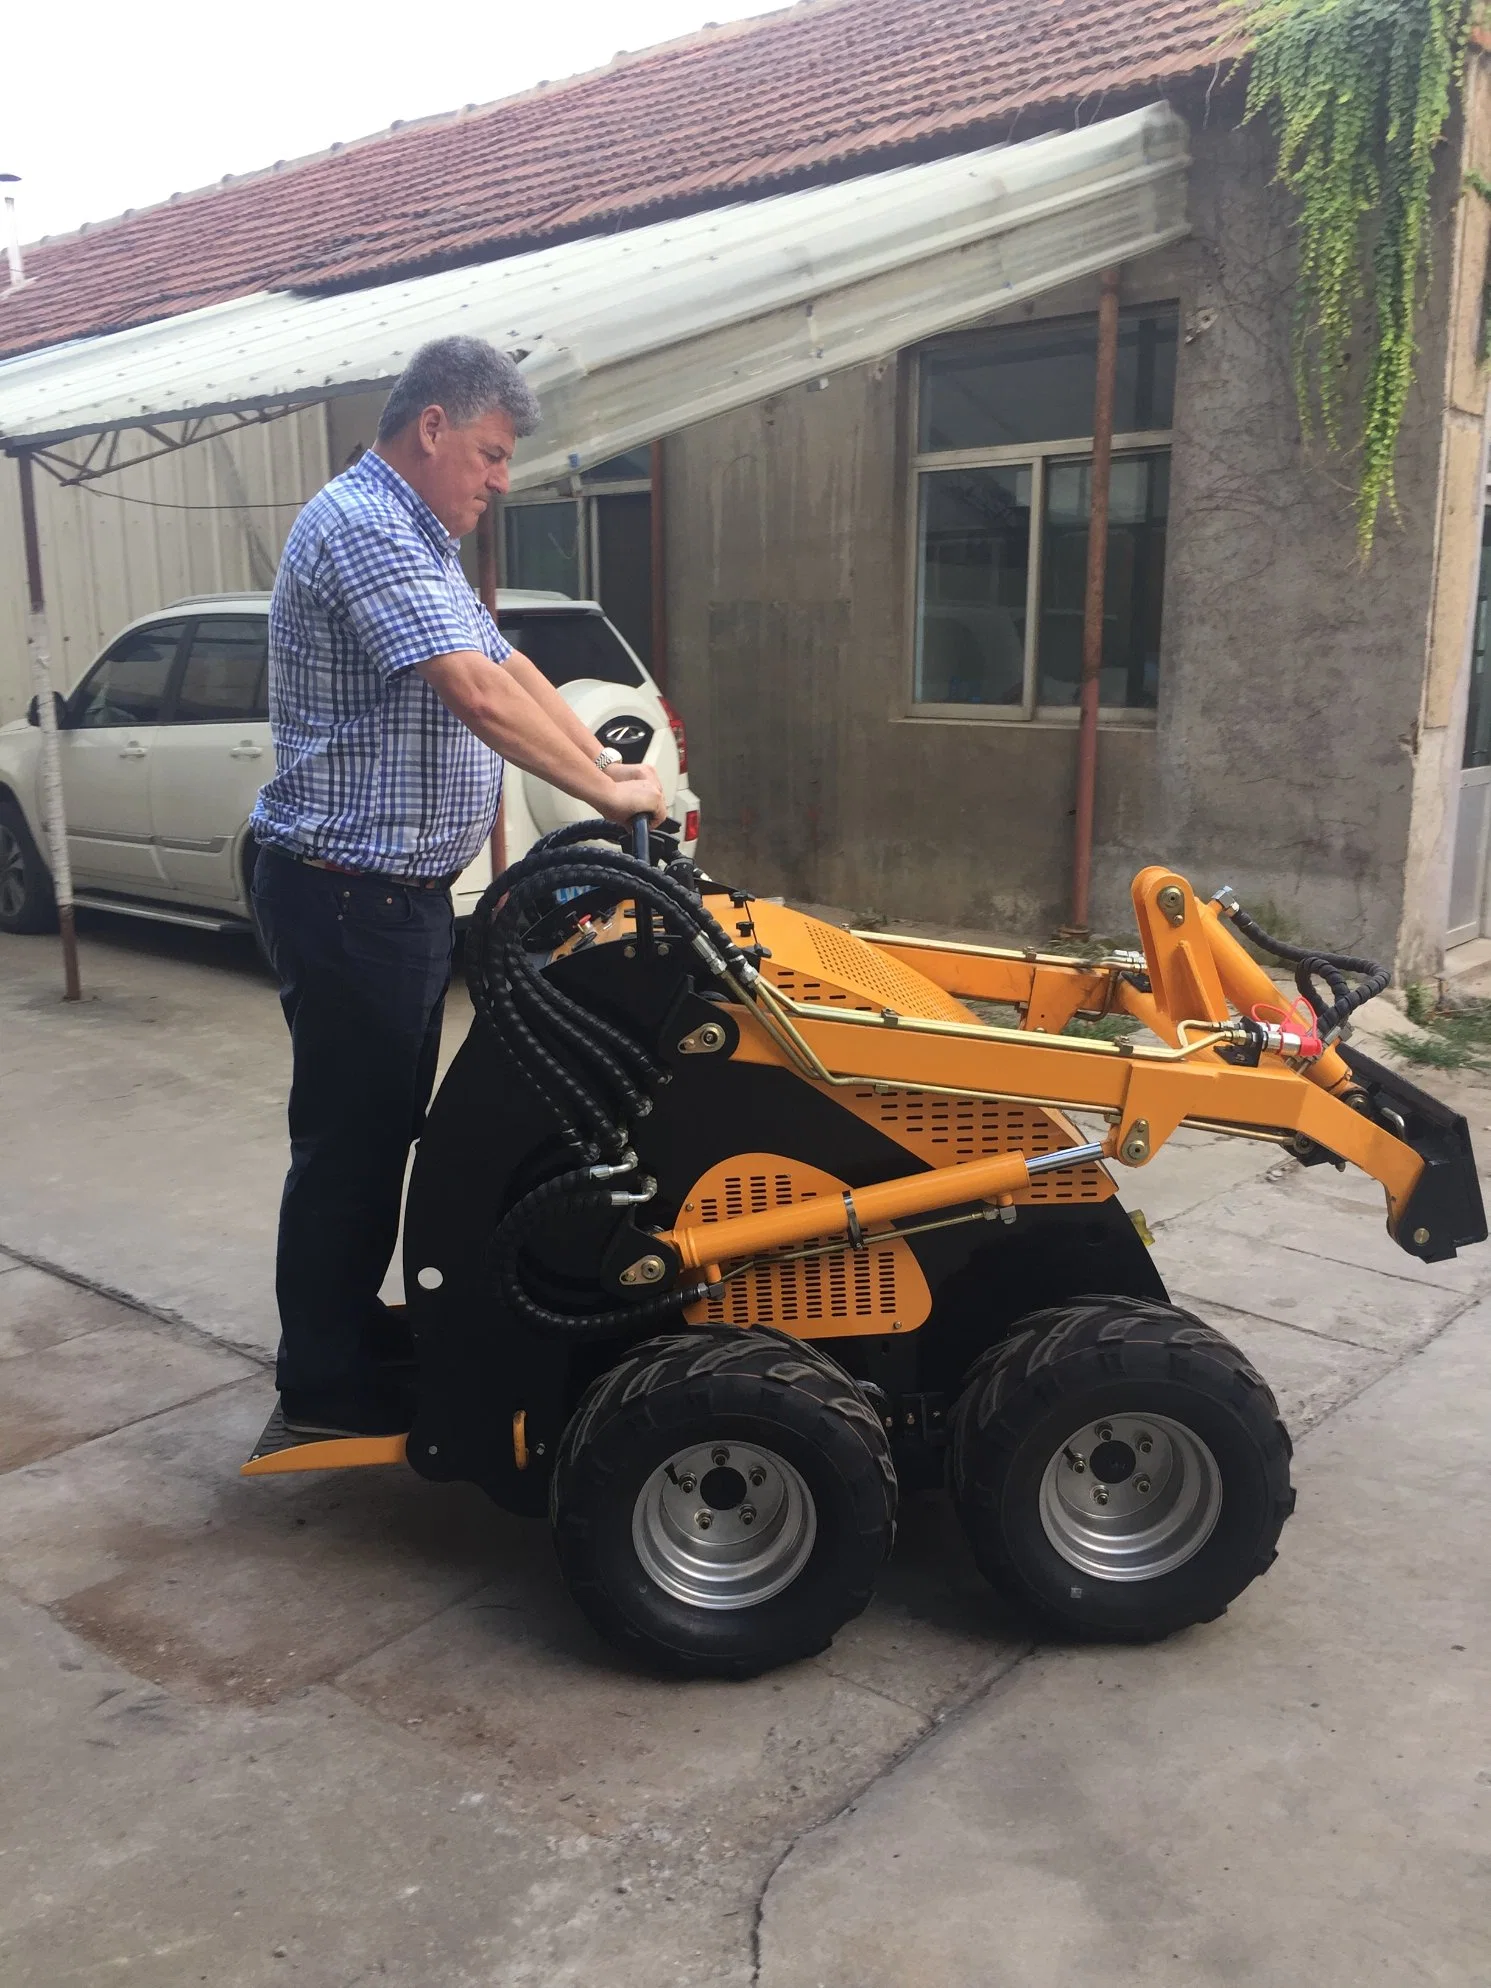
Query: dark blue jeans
{"points": [[363, 966]]}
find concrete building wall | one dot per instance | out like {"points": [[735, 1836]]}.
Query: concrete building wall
{"points": [[1283, 754], [211, 518]]}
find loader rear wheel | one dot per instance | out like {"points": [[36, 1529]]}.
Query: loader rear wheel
{"points": [[1120, 1467], [722, 1501]]}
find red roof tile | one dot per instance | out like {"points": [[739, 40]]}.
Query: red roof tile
{"points": [[823, 89]]}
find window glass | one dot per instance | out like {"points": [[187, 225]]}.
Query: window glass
{"points": [[974, 557], [1035, 383], [634, 467], [1478, 714], [224, 680], [623, 566], [1139, 504], [566, 646], [128, 685], [543, 547]]}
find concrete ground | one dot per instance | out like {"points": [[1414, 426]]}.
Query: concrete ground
{"points": [[338, 1730]]}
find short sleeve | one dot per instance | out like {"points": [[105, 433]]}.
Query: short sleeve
{"points": [[496, 645], [401, 605]]}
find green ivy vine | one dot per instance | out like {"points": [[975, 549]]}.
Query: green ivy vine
{"points": [[1359, 93]]}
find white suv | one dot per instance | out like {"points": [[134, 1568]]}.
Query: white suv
{"points": [[165, 744]]}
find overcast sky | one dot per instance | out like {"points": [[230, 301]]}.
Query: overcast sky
{"points": [[107, 106]]}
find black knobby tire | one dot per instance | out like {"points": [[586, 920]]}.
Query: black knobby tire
{"points": [[26, 900], [772, 1398], [1027, 1430]]}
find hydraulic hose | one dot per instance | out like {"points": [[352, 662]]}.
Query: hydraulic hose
{"points": [[591, 1072], [572, 1195], [1308, 961]]}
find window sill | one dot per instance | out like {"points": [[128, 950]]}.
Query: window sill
{"points": [[1047, 717]]}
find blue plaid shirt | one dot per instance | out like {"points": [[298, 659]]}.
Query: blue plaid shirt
{"points": [[371, 770]]}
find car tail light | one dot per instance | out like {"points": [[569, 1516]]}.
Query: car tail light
{"points": [[691, 825], [680, 736]]}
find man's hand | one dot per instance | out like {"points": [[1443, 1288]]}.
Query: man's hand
{"points": [[637, 792]]}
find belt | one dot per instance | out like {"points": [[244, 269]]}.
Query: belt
{"points": [[373, 876]]}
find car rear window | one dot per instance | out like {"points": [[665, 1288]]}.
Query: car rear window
{"points": [[567, 646], [224, 678]]}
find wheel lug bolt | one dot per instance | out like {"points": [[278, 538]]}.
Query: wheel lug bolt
{"points": [[1144, 1446], [721, 1456], [758, 1476], [686, 1483], [1100, 1494], [1075, 1461], [1105, 1433], [748, 1515], [704, 1520], [1141, 1485]]}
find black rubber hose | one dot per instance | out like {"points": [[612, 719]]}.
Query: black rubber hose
{"points": [[590, 1072], [570, 1195], [1332, 967]]}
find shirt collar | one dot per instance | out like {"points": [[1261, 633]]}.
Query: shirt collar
{"points": [[372, 466]]}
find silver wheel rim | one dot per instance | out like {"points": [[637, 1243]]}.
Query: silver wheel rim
{"points": [[12, 874], [1130, 1497], [724, 1525]]}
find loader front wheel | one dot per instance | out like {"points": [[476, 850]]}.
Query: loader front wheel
{"points": [[1120, 1467], [722, 1501]]}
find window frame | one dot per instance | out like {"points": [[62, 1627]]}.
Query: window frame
{"points": [[584, 494], [1037, 457], [171, 702], [74, 703]]}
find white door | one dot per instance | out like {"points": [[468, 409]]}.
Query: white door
{"points": [[1468, 906], [211, 757], [106, 746]]}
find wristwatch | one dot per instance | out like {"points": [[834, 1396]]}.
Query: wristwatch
{"points": [[607, 757]]}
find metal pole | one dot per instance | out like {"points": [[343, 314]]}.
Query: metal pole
{"points": [[659, 572], [53, 815], [486, 586], [1092, 617]]}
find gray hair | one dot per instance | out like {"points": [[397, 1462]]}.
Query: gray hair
{"points": [[468, 378]]}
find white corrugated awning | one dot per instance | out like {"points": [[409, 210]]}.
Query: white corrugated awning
{"points": [[631, 336]]}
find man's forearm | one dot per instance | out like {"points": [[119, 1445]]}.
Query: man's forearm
{"points": [[549, 700], [493, 701]]}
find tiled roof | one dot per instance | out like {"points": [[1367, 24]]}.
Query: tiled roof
{"points": [[820, 90]]}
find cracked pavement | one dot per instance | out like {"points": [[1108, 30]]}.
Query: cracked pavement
{"points": [[347, 1729]]}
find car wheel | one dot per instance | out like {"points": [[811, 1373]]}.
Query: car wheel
{"points": [[26, 900], [722, 1502], [1120, 1467]]}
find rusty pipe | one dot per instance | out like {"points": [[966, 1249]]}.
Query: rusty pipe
{"points": [[1092, 612]]}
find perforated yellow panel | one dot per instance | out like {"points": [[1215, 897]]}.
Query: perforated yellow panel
{"points": [[824, 965], [945, 1131], [879, 1289]]}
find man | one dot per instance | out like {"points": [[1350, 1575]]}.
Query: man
{"points": [[393, 704]]}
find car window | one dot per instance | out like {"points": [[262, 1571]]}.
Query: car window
{"points": [[224, 681], [567, 646], [129, 684]]}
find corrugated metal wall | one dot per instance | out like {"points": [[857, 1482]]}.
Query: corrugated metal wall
{"points": [[185, 523]]}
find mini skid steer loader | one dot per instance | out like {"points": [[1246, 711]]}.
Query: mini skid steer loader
{"points": [[726, 1222]]}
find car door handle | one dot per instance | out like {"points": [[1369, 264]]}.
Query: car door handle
{"points": [[246, 751], [132, 751]]}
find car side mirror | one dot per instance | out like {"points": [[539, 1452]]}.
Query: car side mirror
{"points": [[59, 705]]}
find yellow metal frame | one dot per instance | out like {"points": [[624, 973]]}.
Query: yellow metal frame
{"points": [[1201, 979]]}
